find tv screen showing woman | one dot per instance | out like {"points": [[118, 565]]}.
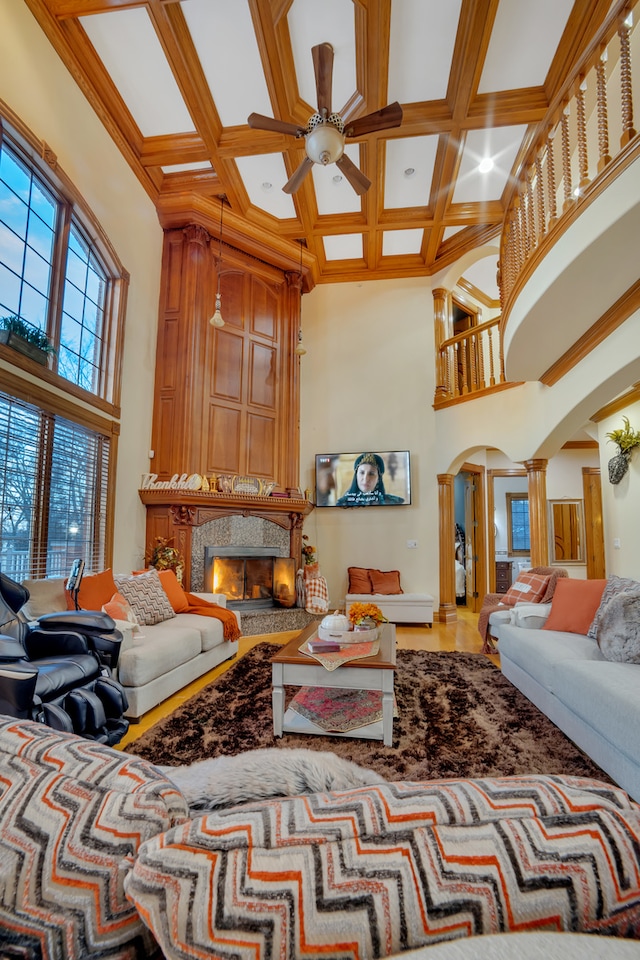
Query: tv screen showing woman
{"points": [[364, 479]]}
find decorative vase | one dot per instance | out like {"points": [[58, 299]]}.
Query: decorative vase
{"points": [[618, 466]]}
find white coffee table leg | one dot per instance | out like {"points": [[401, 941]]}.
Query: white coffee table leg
{"points": [[277, 698], [387, 708]]}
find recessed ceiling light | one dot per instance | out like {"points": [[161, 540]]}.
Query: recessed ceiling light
{"points": [[409, 172], [266, 186], [486, 165], [337, 178]]}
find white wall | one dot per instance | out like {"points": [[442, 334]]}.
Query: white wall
{"points": [[367, 383], [621, 502], [39, 89]]}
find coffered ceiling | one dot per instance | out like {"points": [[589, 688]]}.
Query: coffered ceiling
{"points": [[175, 80]]}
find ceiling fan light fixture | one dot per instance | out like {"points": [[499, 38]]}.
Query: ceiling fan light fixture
{"points": [[324, 144]]}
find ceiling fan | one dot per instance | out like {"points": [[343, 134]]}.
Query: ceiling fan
{"points": [[325, 131]]}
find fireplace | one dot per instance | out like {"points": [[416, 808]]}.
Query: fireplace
{"points": [[251, 578]]}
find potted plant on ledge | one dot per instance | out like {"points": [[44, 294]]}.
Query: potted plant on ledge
{"points": [[626, 440], [25, 338]]}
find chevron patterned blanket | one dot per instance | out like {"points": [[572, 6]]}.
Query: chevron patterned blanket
{"points": [[382, 869]]}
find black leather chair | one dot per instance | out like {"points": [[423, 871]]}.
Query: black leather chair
{"points": [[57, 670]]}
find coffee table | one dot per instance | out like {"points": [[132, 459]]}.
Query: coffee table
{"points": [[289, 667]]}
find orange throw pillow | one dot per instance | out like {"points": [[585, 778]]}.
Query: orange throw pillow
{"points": [[173, 589], [359, 580], [119, 609], [574, 605], [530, 587], [96, 589], [385, 581]]}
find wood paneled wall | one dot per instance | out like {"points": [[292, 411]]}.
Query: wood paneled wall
{"points": [[226, 399]]}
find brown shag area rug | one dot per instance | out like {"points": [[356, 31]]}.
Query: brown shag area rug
{"points": [[458, 717]]}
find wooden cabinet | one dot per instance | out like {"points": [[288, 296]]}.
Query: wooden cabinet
{"points": [[504, 573], [226, 400]]}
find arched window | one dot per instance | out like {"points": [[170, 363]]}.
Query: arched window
{"points": [[62, 288]]}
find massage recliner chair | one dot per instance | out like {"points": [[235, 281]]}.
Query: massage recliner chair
{"points": [[57, 670]]}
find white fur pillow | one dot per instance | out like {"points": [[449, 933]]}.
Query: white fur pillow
{"points": [[619, 628]]}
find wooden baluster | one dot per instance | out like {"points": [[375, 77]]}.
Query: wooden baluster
{"points": [[583, 159], [542, 220], [628, 133], [604, 156], [522, 245], [566, 161], [531, 219], [551, 184], [492, 376], [464, 365], [480, 359], [472, 346], [456, 370]]}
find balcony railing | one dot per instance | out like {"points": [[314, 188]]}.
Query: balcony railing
{"points": [[589, 127], [470, 361]]}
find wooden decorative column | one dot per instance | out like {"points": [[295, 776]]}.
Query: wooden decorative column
{"points": [[440, 326], [447, 612], [538, 521]]}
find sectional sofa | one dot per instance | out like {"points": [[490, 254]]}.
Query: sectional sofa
{"points": [[100, 857], [156, 660], [570, 675]]}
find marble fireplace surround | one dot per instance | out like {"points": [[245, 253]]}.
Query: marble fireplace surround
{"points": [[198, 519]]}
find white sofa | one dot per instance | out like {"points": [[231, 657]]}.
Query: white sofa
{"points": [[594, 701], [155, 661]]}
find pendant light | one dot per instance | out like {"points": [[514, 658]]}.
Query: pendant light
{"points": [[216, 320], [300, 350]]}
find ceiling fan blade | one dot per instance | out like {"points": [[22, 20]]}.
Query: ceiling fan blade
{"points": [[295, 182], [258, 122], [389, 116], [323, 67], [356, 177]]}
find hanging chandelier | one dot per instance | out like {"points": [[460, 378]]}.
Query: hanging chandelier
{"points": [[300, 350], [216, 320]]}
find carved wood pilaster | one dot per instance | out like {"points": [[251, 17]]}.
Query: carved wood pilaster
{"points": [[538, 522], [447, 611]]}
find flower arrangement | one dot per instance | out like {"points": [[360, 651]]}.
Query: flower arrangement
{"points": [[309, 552], [361, 612], [163, 556]]}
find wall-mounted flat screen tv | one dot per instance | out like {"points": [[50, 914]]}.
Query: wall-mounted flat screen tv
{"points": [[363, 479]]}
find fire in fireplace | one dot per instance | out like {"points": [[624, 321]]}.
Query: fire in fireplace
{"points": [[251, 578]]}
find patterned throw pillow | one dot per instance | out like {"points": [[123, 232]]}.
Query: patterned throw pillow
{"points": [[530, 587], [72, 817], [614, 585], [148, 600]]}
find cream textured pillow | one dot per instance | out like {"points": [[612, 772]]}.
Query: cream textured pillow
{"points": [[45, 596], [148, 600]]}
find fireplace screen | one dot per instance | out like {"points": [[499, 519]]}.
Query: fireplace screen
{"points": [[252, 580], [243, 578]]}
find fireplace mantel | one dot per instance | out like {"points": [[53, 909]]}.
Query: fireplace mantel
{"points": [[173, 513]]}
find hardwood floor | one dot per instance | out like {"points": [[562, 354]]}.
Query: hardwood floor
{"points": [[462, 636]]}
